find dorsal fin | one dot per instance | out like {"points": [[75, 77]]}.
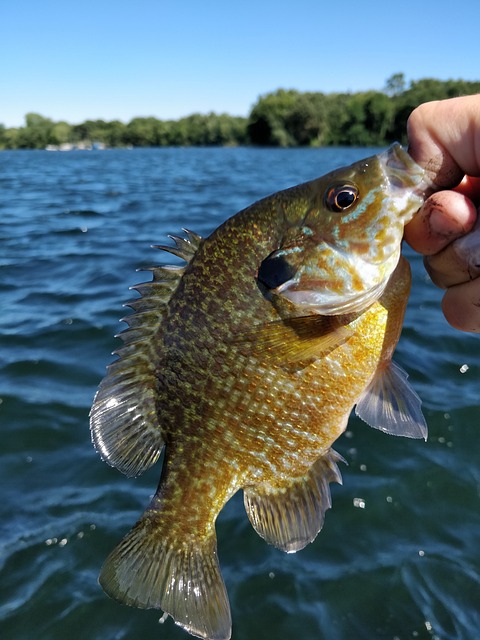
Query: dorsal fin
{"points": [[123, 418], [184, 248]]}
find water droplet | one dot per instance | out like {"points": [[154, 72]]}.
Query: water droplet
{"points": [[359, 503], [163, 619]]}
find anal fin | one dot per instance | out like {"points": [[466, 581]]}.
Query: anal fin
{"points": [[290, 516], [150, 570]]}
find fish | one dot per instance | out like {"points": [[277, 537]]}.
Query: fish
{"points": [[244, 364]]}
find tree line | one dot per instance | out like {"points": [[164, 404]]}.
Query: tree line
{"points": [[283, 118]]}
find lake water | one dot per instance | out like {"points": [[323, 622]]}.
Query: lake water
{"points": [[398, 557]]}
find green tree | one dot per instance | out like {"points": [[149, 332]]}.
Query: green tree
{"points": [[425, 90], [306, 121], [110, 133], [60, 133], [360, 119], [266, 125], [280, 118], [227, 130], [146, 132], [35, 120], [113, 134], [337, 117], [379, 115], [395, 84], [36, 133], [3, 138]]}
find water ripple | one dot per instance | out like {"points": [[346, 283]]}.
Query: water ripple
{"points": [[398, 555]]}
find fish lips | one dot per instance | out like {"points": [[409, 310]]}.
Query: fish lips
{"points": [[403, 173]]}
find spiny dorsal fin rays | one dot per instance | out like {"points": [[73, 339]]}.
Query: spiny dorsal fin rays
{"points": [[290, 516], [294, 339], [123, 418], [149, 569], [390, 404], [184, 248]]}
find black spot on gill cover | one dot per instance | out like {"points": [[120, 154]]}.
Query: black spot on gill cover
{"points": [[275, 270]]}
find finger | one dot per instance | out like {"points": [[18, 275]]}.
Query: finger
{"points": [[470, 187], [444, 137], [447, 268], [445, 216], [461, 306]]}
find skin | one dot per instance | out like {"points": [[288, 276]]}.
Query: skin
{"points": [[444, 137]]}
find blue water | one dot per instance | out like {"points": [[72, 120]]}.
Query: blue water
{"points": [[398, 557]]}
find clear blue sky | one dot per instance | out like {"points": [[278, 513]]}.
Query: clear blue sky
{"points": [[116, 59]]}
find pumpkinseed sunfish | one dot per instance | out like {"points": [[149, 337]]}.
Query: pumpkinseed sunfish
{"points": [[245, 363]]}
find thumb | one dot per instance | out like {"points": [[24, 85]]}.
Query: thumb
{"points": [[444, 138]]}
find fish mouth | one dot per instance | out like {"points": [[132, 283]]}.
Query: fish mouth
{"points": [[322, 303], [403, 185], [403, 174]]}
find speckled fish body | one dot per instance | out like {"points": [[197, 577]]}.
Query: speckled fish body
{"points": [[245, 364]]}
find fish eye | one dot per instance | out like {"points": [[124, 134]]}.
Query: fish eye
{"points": [[275, 271], [341, 197]]}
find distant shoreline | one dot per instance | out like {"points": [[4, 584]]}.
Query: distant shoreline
{"points": [[283, 118]]}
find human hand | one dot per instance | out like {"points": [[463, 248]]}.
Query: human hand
{"points": [[444, 137]]}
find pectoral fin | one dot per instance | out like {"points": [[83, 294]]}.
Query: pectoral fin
{"points": [[391, 405], [295, 339], [290, 516]]}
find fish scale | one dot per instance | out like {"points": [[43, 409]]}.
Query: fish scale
{"points": [[246, 363]]}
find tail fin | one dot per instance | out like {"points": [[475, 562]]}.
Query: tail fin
{"points": [[149, 570]]}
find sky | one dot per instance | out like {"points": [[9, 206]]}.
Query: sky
{"points": [[118, 59]]}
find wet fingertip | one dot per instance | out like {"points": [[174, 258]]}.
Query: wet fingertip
{"points": [[416, 232], [461, 306], [444, 225], [420, 235], [451, 215]]}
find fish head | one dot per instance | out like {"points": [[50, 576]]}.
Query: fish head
{"points": [[339, 251]]}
